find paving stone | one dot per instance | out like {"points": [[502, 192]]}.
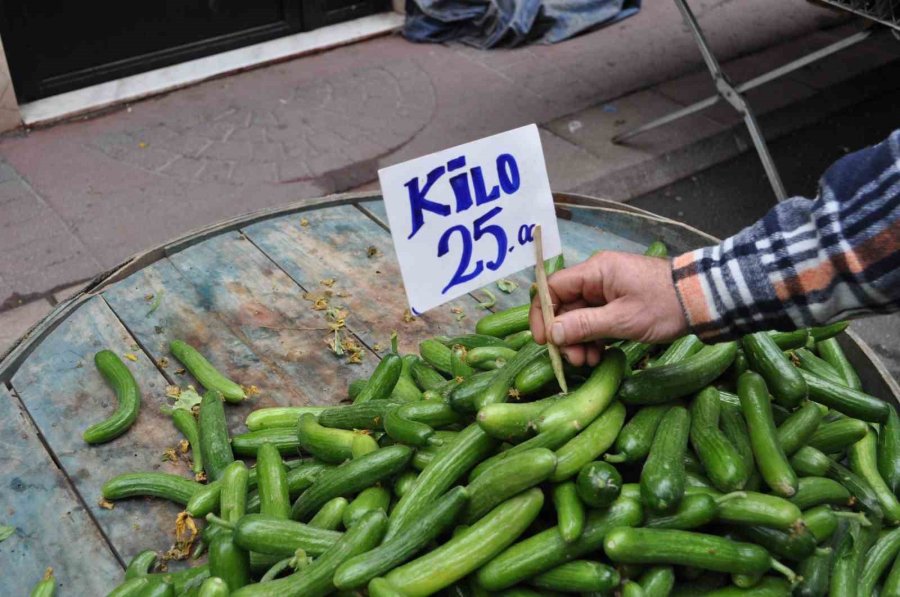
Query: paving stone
{"points": [[568, 165], [15, 322]]}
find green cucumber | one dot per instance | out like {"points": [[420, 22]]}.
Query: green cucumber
{"points": [[663, 474], [831, 352], [141, 564], [518, 340], [158, 589], [849, 558], [796, 431], [721, 460], [809, 462], [351, 477], [634, 351], [685, 548], [815, 572], [283, 439], [356, 386], [579, 576], [368, 415], [667, 382], [426, 377], [382, 380], [511, 421], [406, 431], [46, 587], [583, 405], [678, 351], [598, 484], [437, 355], [325, 443], [569, 511], [850, 402], [589, 444], [406, 390], [229, 561], [535, 376], [695, 510], [471, 341], [162, 485], [453, 460], [807, 361], [828, 331], [233, 493], [634, 440], [815, 491], [790, 340], [838, 435], [459, 367], [783, 379], [186, 423], [213, 587], [271, 483], [331, 515], [770, 459], [735, 429], [360, 569], [504, 377], [404, 483], [119, 377], [363, 444], [550, 440], [369, 499], [462, 395], [752, 508], [215, 445], [504, 323], [863, 462], [657, 581], [486, 357], [889, 451], [317, 579], [279, 537], [469, 550], [208, 376], [768, 586], [546, 549], [498, 483], [130, 588], [795, 546], [891, 584], [859, 488]]}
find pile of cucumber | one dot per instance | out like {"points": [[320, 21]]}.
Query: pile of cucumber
{"points": [[756, 467]]}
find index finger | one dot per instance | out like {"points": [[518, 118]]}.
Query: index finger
{"points": [[536, 317]]}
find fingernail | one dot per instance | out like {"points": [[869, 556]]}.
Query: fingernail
{"points": [[558, 334]]}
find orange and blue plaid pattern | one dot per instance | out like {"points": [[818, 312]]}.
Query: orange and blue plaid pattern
{"points": [[806, 262]]}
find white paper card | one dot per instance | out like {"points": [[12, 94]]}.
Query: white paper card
{"points": [[464, 217]]}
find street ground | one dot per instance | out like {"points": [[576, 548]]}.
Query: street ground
{"points": [[78, 198]]}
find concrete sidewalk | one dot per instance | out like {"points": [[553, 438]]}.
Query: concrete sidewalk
{"points": [[78, 198]]}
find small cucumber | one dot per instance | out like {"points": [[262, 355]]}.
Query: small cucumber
{"points": [[382, 381], [796, 431], [721, 460], [459, 367], [141, 564], [351, 477], [486, 357], [598, 484], [233, 494], [514, 475], [504, 377], [753, 508], [469, 550], [186, 423], [889, 451], [790, 340], [283, 439], [360, 569], [162, 485], [569, 511], [770, 458], [462, 395], [404, 483], [678, 351], [518, 340], [663, 474], [425, 376], [859, 488], [363, 444], [504, 323], [208, 376], [369, 499], [535, 376], [589, 444], [406, 390], [330, 516], [513, 421], [271, 483], [437, 355], [815, 491], [326, 444], [579, 576], [832, 353], [667, 382], [633, 442], [849, 558], [784, 381], [863, 462], [546, 549], [119, 377], [275, 536], [838, 435], [850, 402], [657, 581], [368, 415], [215, 445], [229, 561], [807, 361], [471, 341], [735, 429], [828, 331], [406, 431], [213, 587], [694, 511]]}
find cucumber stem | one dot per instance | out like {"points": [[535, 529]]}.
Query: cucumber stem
{"points": [[731, 496], [212, 518], [857, 516], [395, 343], [276, 569], [615, 458], [787, 572]]}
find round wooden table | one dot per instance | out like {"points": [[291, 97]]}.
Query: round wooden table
{"points": [[245, 293]]}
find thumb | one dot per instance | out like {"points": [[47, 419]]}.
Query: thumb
{"points": [[589, 323]]}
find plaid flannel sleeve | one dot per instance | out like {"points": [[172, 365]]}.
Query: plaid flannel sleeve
{"points": [[807, 262]]}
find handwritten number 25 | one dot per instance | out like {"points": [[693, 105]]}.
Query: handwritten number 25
{"points": [[461, 275]]}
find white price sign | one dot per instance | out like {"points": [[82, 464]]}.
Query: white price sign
{"points": [[464, 217]]}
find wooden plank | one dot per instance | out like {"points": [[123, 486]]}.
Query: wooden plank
{"points": [[180, 314], [48, 518], [247, 291], [64, 394], [335, 245], [524, 279]]}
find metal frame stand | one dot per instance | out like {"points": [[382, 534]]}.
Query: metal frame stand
{"points": [[733, 94]]}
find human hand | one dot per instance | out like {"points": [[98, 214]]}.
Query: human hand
{"points": [[610, 295]]}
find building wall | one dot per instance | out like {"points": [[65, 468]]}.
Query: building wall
{"points": [[9, 108]]}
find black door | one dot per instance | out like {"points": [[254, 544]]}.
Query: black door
{"points": [[55, 46]]}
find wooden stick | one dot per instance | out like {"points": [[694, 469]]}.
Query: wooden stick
{"points": [[547, 309]]}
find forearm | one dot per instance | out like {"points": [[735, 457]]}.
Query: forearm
{"points": [[807, 262]]}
